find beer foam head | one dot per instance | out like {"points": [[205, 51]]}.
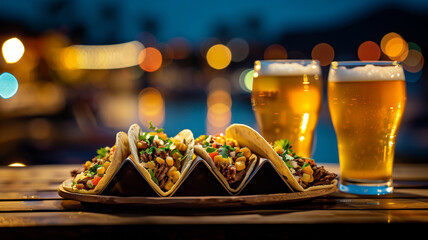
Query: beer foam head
{"points": [[289, 68], [368, 72]]}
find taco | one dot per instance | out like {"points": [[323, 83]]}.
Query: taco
{"points": [[232, 163], [161, 159], [301, 173], [96, 174]]}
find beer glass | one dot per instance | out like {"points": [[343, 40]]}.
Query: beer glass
{"points": [[366, 101], [286, 100]]}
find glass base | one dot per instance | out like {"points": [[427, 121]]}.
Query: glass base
{"points": [[366, 188]]}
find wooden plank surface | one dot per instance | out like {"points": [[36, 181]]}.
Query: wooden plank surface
{"points": [[28, 197]]}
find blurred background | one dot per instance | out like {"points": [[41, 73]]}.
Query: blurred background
{"points": [[73, 73]]}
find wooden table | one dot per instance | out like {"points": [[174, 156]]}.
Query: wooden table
{"points": [[31, 207]]}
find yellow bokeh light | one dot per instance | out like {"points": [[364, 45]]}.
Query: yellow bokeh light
{"points": [[16, 165], [13, 49], [219, 56], [151, 107], [394, 46]]}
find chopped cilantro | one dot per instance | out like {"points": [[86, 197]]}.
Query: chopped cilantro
{"points": [[152, 174], [158, 130], [224, 151], [211, 149], [150, 150], [102, 152]]}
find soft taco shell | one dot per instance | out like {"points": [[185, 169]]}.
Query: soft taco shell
{"points": [[199, 150], [248, 137], [186, 134], [120, 154]]}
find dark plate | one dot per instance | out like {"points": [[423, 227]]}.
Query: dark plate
{"points": [[196, 201]]}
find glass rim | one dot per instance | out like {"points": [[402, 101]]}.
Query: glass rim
{"points": [[336, 64], [288, 60]]}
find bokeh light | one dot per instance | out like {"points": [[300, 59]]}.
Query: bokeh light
{"points": [[414, 61], [394, 46], [13, 49], [219, 56], [219, 103], [246, 80], [150, 59], [369, 51], [324, 53], [151, 107], [239, 48], [102, 56], [275, 51], [8, 85]]}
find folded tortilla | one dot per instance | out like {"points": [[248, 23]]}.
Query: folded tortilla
{"points": [[121, 153], [253, 159], [185, 136], [250, 138]]}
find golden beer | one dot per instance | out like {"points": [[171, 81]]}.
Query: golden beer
{"points": [[287, 101], [366, 105]]}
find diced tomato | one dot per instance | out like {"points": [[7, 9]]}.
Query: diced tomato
{"points": [[162, 135], [214, 145], [310, 161], [96, 180], [213, 154]]}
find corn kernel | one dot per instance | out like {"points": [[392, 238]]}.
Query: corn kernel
{"points": [[171, 171], [169, 185], [169, 161], [241, 159], [101, 170], [246, 151], [176, 156], [308, 170], [218, 159], [160, 160], [106, 165], [240, 166], [182, 147], [87, 165], [175, 176], [151, 165], [306, 177], [278, 149]]}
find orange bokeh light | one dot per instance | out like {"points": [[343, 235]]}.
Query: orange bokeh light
{"points": [[275, 51], [394, 46], [324, 53], [369, 51], [150, 59]]}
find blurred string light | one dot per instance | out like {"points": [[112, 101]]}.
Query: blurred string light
{"points": [[394, 46], [246, 80], [150, 59], [16, 165], [8, 85], [239, 48], [324, 53], [219, 103], [102, 56], [219, 56], [151, 107], [12, 50], [369, 51], [275, 51]]}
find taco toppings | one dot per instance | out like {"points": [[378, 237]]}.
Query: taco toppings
{"points": [[163, 157], [228, 157], [93, 171], [304, 170]]}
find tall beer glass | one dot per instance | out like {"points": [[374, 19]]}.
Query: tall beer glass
{"points": [[286, 99], [366, 101]]}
